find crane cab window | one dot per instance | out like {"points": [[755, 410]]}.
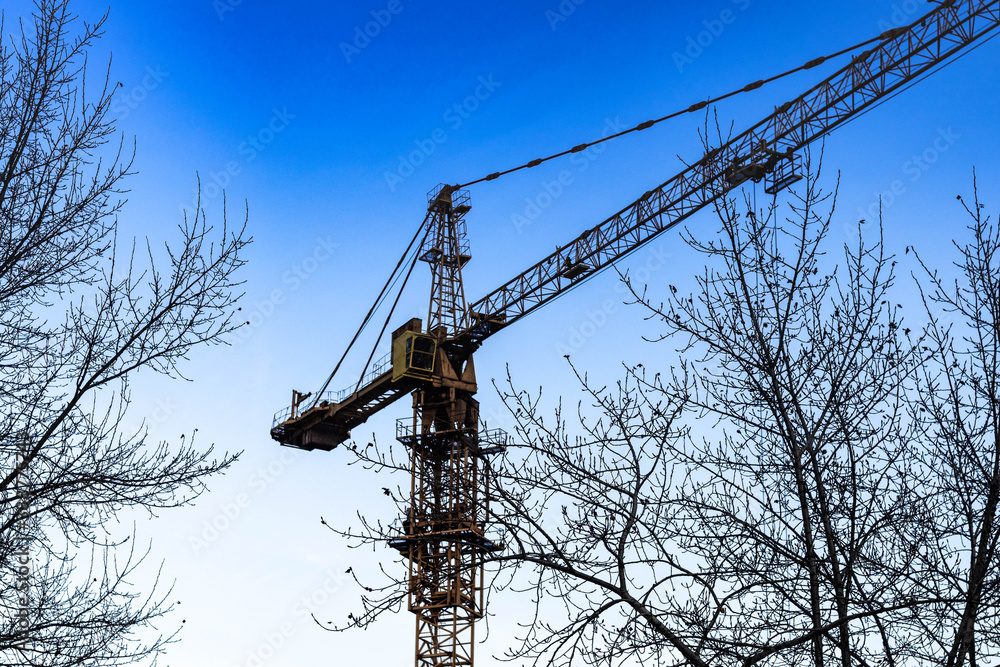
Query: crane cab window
{"points": [[420, 353], [413, 355]]}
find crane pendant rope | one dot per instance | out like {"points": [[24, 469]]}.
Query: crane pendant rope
{"points": [[698, 106]]}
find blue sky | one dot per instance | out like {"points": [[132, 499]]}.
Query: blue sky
{"points": [[332, 141]]}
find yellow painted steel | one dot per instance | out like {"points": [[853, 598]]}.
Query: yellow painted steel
{"points": [[413, 355]]}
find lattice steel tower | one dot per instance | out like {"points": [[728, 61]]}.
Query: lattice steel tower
{"points": [[443, 533]]}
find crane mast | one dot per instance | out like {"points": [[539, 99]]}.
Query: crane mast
{"points": [[443, 534], [446, 249]]}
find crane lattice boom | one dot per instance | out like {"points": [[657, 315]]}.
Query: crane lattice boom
{"points": [[766, 150]]}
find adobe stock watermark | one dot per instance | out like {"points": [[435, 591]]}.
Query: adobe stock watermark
{"points": [[562, 13], [230, 512], [913, 170], [128, 101], [249, 150], [364, 34], [596, 319], [22, 528], [454, 117], [22, 564], [699, 43], [302, 611], [492, 417], [162, 412], [22, 584], [292, 279], [223, 7], [549, 191], [903, 13]]}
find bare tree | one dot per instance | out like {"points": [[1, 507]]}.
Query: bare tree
{"points": [[760, 502], [79, 316], [956, 404], [770, 533]]}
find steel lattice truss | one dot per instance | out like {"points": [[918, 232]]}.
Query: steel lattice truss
{"points": [[446, 249], [766, 147], [443, 536]]}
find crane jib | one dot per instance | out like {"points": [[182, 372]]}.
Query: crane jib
{"points": [[767, 149]]}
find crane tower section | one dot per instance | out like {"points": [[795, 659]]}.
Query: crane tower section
{"points": [[446, 249], [443, 533]]}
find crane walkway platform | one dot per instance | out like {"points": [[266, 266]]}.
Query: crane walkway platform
{"points": [[328, 422]]}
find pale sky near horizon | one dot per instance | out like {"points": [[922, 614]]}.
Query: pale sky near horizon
{"points": [[333, 136]]}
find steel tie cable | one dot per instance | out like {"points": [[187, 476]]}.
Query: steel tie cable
{"points": [[887, 35], [371, 311]]}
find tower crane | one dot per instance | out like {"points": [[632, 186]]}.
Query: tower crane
{"points": [[443, 535]]}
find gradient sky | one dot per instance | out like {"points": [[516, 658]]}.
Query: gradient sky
{"points": [[315, 129]]}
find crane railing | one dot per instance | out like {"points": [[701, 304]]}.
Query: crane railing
{"points": [[379, 368]]}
